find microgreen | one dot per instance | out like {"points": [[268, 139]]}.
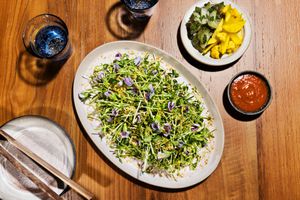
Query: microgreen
{"points": [[147, 114]]}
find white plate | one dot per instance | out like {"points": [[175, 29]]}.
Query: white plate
{"points": [[46, 139], [96, 57], [206, 59]]}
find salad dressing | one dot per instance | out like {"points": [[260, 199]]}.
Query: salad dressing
{"points": [[249, 93]]}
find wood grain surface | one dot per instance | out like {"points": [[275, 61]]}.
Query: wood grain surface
{"points": [[261, 157]]}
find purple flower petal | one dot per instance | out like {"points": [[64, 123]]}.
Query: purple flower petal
{"points": [[118, 56], [137, 61], [99, 77], [138, 118], [171, 105], [134, 90], [167, 127], [155, 126], [148, 96], [110, 119], [124, 134], [187, 109], [116, 67], [128, 81], [195, 127], [107, 93], [154, 72], [151, 89], [114, 112]]}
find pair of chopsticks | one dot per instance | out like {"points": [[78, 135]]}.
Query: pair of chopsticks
{"points": [[24, 170]]}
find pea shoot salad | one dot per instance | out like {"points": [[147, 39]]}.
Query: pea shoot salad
{"points": [[147, 114]]}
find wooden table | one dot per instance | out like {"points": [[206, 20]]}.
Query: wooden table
{"points": [[261, 157]]}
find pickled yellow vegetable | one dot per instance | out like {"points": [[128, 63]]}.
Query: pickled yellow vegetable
{"points": [[213, 39], [234, 27], [236, 39], [214, 53], [222, 36], [228, 36], [235, 13], [209, 48], [224, 45], [227, 16], [231, 47]]}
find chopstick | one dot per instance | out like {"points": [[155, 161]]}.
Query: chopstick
{"points": [[83, 192], [24, 170]]}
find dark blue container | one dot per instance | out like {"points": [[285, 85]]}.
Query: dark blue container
{"points": [[46, 36], [50, 41], [141, 9]]}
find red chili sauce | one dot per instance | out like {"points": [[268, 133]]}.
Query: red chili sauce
{"points": [[249, 93]]}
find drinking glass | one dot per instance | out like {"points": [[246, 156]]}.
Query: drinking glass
{"points": [[141, 9], [46, 36]]}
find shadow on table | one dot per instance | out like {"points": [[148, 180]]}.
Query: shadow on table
{"points": [[122, 173], [196, 63], [122, 25], [36, 71], [233, 113]]}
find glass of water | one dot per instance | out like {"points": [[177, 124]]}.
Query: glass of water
{"points": [[46, 36], [141, 9]]}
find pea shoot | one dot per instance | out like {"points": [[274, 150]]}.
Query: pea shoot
{"points": [[146, 114]]}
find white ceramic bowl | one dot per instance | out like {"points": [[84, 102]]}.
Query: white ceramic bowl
{"points": [[206, 59]]}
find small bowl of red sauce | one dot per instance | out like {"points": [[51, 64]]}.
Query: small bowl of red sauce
{"points": [[249, 93]]}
